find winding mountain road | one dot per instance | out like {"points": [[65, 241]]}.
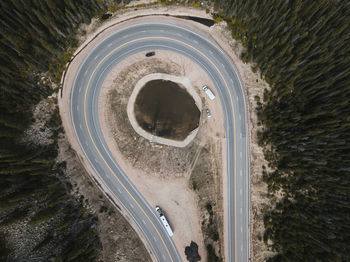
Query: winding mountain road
{"points": [[84, 106]]}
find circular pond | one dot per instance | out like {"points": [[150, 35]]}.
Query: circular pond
{"points": [[165, 109]]}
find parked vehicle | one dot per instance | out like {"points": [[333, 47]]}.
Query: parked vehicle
{"points": [[209, 92], [207, 111], [164, 221], [149, 54]]}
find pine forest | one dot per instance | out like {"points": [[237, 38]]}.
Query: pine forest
{"points": [[301, 48]]}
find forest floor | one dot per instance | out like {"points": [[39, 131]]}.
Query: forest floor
{"points": [[119, 241], [253, 86]]}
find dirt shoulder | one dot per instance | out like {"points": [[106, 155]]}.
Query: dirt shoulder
{"points": [[119, 240]]}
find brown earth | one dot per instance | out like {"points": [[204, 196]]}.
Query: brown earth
{"points": [[152, 166]]}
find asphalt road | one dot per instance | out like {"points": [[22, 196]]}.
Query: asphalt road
{"points": [[87, 84]]}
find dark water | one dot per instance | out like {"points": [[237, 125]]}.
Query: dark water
{"points": [[165, 109]]}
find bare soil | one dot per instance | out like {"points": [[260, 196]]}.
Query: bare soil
{"points": [[163, 174]]}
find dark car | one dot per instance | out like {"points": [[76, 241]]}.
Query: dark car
{"points": [[150, 54]]}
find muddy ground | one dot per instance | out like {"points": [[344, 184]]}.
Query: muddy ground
{"points": [[166, 109]]}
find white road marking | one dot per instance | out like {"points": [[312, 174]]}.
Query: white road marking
{"points": [[240, 172], [179, 34], [109, 45], [132, 206], [195, 41], [240, 154], [231, 81], [80, 90], [154, 238], [119, 190], [86, 143], [240, 134], [163, 257], [96, 57], [144, 222], [125, 36], [78, 108], [240, 191], [143, 31], [80, 126], [85, 73], [241, 210], [241, 229], [240, 117], [211, 52], [241, 247]]}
